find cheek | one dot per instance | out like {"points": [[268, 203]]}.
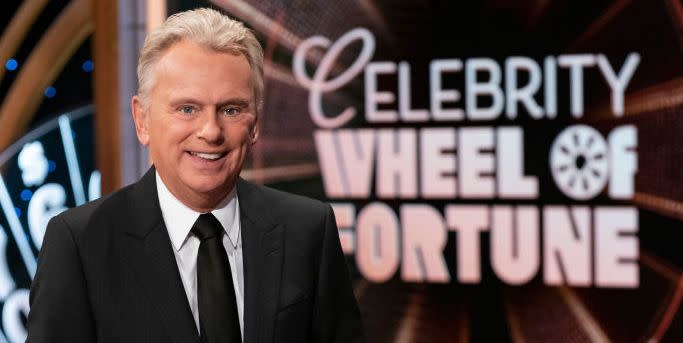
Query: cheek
{"points": [[238, 137], [170, 134]]}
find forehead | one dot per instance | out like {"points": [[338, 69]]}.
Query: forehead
{"points": [[192, 69]]}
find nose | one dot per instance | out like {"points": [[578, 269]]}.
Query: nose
{"points": [[210, 129]]}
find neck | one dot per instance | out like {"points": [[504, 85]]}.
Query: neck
{"points": [[202, 202]]}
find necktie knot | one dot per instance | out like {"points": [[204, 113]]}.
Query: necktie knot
{"points": [[207, 226]]}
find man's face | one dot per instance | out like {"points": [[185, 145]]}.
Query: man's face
{"points": [[199, 122]]}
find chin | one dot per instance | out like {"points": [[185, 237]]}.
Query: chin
{"points": [[208, 184]]}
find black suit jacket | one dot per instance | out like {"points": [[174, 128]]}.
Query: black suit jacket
{"points": [[107, 273]]}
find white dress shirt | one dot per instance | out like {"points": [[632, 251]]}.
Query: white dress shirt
{"points": [[179, 220]]}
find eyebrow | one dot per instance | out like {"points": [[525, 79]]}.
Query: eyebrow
{"points": [[243, 102]]}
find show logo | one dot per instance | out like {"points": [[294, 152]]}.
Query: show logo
{"points": [[402, 178]]}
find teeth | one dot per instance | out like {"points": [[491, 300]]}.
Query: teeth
{"points": [[206, 156]]}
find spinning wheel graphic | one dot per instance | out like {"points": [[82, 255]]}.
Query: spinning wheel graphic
{"points": [[45, 171], [578, 161]]}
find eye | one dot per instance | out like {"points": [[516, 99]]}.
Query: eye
{"points": [[232, 111], [186, 109]]}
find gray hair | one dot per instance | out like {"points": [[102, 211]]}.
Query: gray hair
{"points": [[206, 27]]}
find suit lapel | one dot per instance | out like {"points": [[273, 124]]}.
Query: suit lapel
{"points": [[263, 248], [149, 252]]}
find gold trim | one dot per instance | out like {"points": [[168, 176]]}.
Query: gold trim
{"points": [[664, 206], [17, 29], [600, 23], [107, 93], [589, 324], [42, 67], [516, 333]]}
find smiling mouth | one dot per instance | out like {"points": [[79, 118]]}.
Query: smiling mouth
{"points": [[207, 156]]}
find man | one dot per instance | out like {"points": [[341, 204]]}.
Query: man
{"points": [[191, 252]]}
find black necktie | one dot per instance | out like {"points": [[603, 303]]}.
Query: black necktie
{"points": [[218, 319]]}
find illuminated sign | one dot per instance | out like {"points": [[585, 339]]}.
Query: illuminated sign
{"points": [[416, 171], [45, 172]]}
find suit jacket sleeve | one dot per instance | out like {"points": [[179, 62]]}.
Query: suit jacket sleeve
{"points": [[60, 310], [337, 318]]}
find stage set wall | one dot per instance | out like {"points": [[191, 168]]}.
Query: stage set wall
{"points": [[500, 171]]}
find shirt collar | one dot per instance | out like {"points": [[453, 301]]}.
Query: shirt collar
{"points": [[180, 218]]}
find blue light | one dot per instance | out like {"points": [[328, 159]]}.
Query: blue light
{"points": [[11, 64], [51, 166], [26, 194], [88, 66], [50, 92], [18, 211]]}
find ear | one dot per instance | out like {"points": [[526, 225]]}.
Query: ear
{"points": [[141, 118], [254, 133]]}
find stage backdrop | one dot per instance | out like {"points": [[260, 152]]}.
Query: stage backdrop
{"points": [[500, 171]]}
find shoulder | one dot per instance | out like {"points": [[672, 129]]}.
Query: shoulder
{"points": [[78, 219], [302, 218], [280, 205]]}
